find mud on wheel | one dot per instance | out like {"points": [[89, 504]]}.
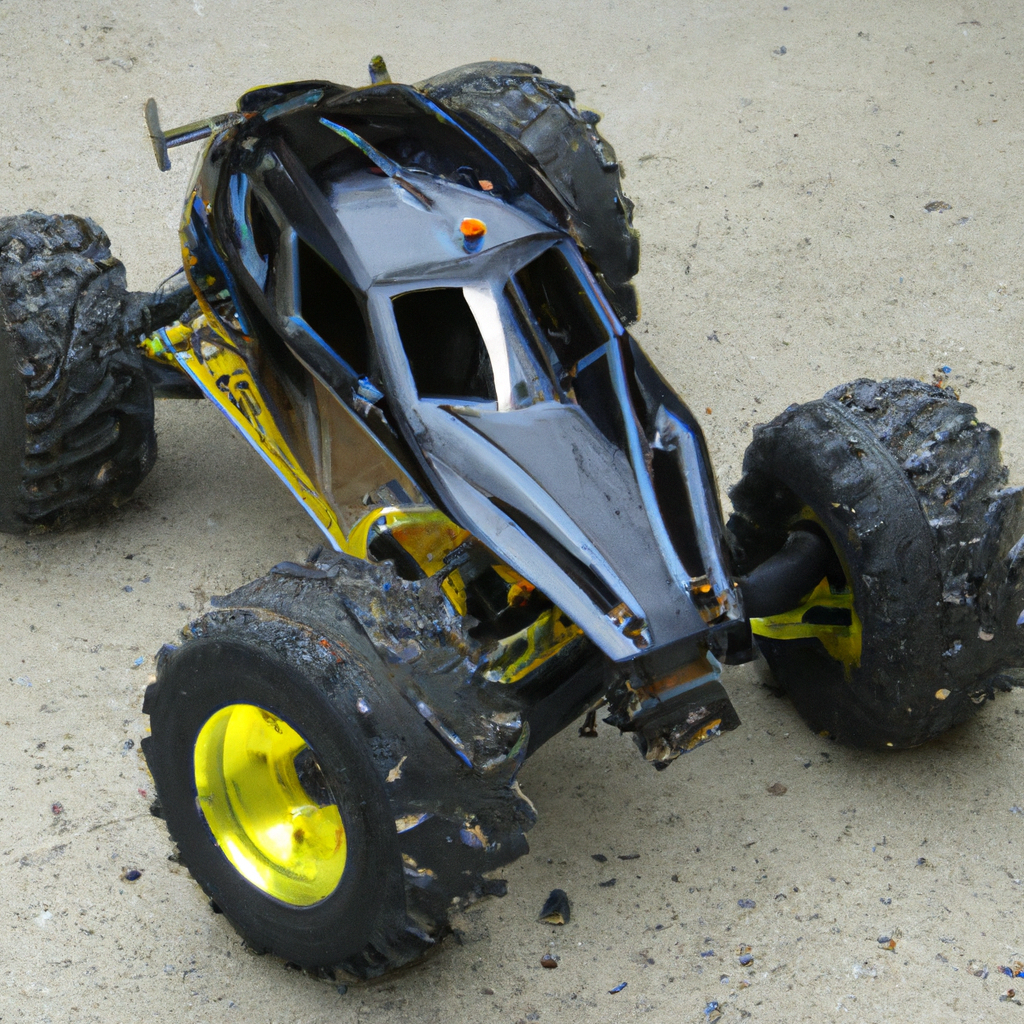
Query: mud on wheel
{"points": [[76, 409], [308, 797], [917, 624], [540, 119]]}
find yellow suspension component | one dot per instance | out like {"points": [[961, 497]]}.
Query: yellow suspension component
{"points": [[528, 649], [285, 840], [428, 535], [843, 643], [425, 533]]}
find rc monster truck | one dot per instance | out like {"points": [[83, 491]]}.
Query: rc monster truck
{"points": [[410, 300]]}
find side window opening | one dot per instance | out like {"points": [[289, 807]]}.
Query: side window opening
{"points": [[443, 344], [330, 308], [570, 329], [255, 231], [264, 231], [562, 309], [539, 356]]}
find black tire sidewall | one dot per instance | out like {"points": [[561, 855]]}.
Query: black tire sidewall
{"points": [[207, 675], [12, 430], [571, 157]]}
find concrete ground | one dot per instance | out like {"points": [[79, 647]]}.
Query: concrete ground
{"points": [[781, 157]]}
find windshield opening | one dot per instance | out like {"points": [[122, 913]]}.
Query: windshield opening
{"points": [[444, 346]]}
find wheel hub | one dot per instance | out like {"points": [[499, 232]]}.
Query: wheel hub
{"points": [[827, 616], [268, 805]]}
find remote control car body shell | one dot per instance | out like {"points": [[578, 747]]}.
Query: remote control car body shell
{"points": [[398, 318]]}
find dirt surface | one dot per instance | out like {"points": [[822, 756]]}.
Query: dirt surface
{"points": [[782, 158]]}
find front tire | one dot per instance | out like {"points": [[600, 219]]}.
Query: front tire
{"points": [[360, 671], [918, 626], [270, 791]]}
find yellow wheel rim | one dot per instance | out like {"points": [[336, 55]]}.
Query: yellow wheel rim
{"points": [[268, 805]]}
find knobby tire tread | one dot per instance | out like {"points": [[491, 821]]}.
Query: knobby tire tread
{"points": [[303, 625], [911, 489], [76, 434]]}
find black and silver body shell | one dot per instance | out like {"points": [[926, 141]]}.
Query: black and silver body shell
{"points": [[495, 384]]}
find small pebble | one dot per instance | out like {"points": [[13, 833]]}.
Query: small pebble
{"points": [[547, 960], [556, 908], [618, 988], [57, 808], [746, 904], [131, 874]]}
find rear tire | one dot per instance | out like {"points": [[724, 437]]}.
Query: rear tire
{"points": [[539, 116], [910, 490], [76, 408]]}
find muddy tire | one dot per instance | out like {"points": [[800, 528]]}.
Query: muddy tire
{"points": [[909, 488], [76, 409], [540, 117], [332, 895], [291, 655]]}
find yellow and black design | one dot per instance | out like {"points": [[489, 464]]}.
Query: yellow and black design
{"points": [[223, 375], [204, 350]]}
